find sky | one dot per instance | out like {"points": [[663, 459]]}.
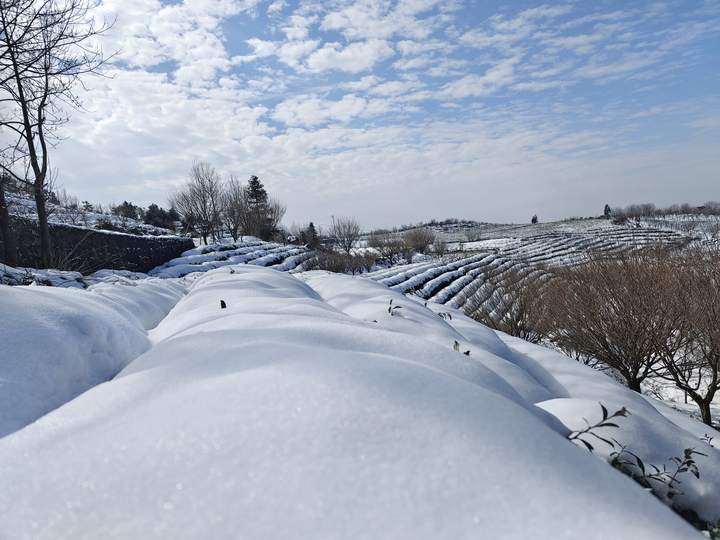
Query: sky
{"points": [[402, 111]]}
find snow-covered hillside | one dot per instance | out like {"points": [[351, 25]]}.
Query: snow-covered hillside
{"points": [[24, 207], [316, 405], [453, 279]]}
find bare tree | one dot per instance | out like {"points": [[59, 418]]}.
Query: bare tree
{"points": [[418, 240], [440, 246], [275, 213], [511, 301], [70, 205], [387, 245], [611, 309], [45, 50], [6, 233], [692, 357], [345, 232], [199, 202], [236, 211]]}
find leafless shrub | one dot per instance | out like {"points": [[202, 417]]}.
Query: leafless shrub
{"points": [[341, 263]]}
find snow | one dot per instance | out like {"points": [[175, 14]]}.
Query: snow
{"points": [[648, 433], [219, 254], [682, 415], [26, 276], [147, 300], [58, 342], [305, 410]]}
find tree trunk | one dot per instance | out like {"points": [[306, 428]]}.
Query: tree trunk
{"points": [[634, 384], [9, 245], [43, 228], [705, 412]]}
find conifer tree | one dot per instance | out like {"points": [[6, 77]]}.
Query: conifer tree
{"points": [[310, 236], [257, 194]]}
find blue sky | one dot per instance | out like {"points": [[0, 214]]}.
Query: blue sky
{"points": [[403, 111]]}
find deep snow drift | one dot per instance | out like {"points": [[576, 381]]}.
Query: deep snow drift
{"points": [[309, 408]]}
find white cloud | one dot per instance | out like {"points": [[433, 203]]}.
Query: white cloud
{"points": [[393, 88], [366, 19], [356, 57], [292, 52], [188, 33], [417, 62], [312, 111], [599, 68], [298, 27], [361, 84], [538, 86], [498, 76], [276, 6]]}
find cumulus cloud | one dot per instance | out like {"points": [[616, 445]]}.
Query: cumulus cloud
{"points": [[147, 33]]}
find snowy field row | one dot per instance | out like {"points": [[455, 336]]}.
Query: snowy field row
{"points": [[251, 403]]}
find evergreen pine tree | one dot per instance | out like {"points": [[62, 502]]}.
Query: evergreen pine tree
{"points": [[256, 191], [311, 237], [258, 202], [607, 212]]}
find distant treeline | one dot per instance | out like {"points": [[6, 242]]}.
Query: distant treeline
{"points": [[650, 210]]}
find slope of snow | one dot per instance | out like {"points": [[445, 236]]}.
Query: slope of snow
{"points": [[56, 343], [653, 436], [303, 409], [146, 300]]}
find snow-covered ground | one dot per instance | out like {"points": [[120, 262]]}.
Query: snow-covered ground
{"points": [[316, 405]]}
